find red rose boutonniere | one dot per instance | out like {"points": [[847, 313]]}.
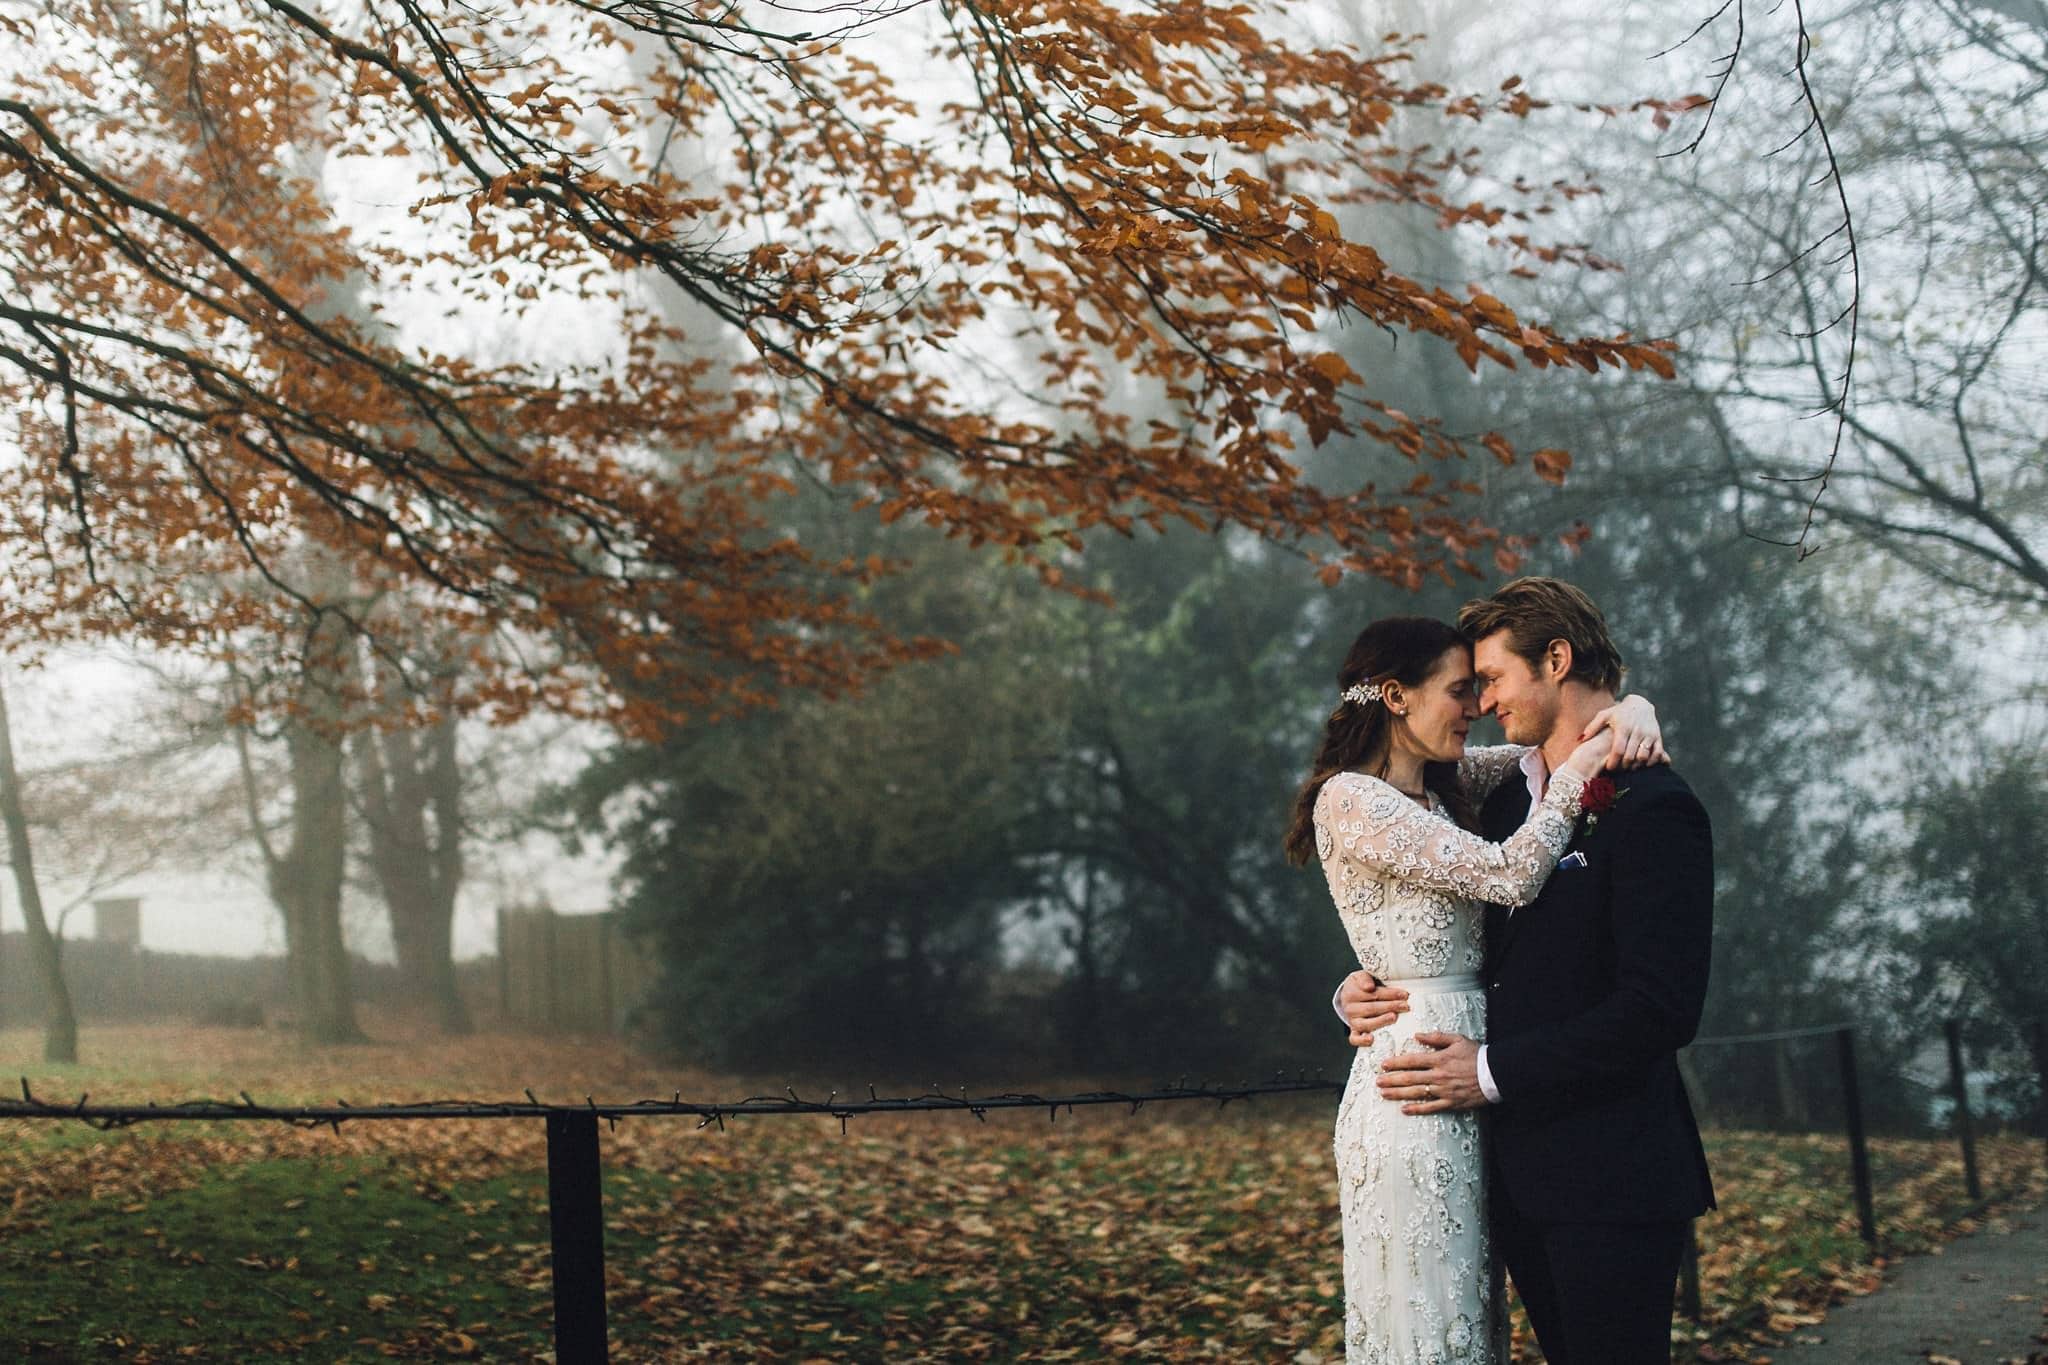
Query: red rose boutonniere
{"points": [[1597, 799]]}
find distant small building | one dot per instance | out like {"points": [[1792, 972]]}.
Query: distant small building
{"points": [[118, 919]]}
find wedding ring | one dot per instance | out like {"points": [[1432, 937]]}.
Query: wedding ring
{"points": [[1429, 1092]]}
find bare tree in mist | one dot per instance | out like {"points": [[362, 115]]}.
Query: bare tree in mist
{"points": [[305, 872], [149, 797], [60, 1025], [348, 692], [409, 781], [1942, 141]]}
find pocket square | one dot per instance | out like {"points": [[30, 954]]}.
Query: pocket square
{"points": [[1571, 860]]}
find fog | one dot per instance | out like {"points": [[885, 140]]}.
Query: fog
{"points": [[1020, 853]]}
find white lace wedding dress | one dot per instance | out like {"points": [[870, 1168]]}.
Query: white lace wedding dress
{"points": [[1419, 1284]]}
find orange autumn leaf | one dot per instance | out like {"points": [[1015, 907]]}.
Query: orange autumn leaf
{"points": [[1551, 464]]}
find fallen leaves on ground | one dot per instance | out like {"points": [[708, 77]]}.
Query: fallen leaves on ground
{"points": [[1180, 1233]]}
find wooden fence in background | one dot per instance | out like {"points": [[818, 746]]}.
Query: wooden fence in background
{"points": [[123, 982], [569, 973], [561, 973]]}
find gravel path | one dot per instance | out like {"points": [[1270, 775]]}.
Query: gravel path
{"points": [[1979, 1300]]}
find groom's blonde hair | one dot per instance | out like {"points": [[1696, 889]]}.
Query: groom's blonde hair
{"points": [[1535, 611]]}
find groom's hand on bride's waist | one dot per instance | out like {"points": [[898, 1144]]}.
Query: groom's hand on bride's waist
{"points": [[1366, 1006], [1437, 1080]]}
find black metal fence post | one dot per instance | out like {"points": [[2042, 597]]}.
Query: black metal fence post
{"points": [[2041, 1076], [576, 1225], [1959, 1087], [1859, 1150]]}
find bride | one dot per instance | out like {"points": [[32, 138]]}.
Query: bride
{"points": [[1388, 811]]}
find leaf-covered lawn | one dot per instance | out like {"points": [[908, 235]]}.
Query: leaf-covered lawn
{"points": [[1180, 1233]]}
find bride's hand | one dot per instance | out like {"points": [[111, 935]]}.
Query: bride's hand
{"points": [[1591, 755], [1638, 739]]}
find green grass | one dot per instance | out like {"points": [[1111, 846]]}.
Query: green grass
{"points": [[775, 1245], [1165, 1236], [275, 1259]]}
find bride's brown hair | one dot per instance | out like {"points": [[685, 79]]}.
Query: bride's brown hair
{"points": [[1402, 649]]}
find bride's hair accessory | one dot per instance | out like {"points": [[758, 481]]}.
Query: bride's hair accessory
{"points": [[1362, 693]]}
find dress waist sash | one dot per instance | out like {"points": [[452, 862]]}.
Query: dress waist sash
{"points": [[1438, 985]]}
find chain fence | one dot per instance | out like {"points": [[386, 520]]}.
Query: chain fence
{"points": [[1869, 1130], [1924, 1116], [574, 1149]]}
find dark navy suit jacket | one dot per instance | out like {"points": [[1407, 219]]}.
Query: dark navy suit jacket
{"points": [[1591, 990]]}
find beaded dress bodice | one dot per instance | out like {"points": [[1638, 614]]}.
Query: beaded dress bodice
{"points": [[1410, 887]]}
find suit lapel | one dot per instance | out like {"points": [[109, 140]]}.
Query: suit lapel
{"points": [[1512, 922], [1496, 935], [1501, 937], [1511, 926], [1502, 815]]}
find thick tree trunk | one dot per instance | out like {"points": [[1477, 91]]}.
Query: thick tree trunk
{"points": [[60, 1026], [297, 974], [305, 878], [412, 794], [428, 962], [315, 864]]}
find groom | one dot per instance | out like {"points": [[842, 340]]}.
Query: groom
{"points": [[1595, 1168]]}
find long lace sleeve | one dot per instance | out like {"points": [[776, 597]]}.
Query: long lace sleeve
{"points": [[1486, 767], [1372, 823]]}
